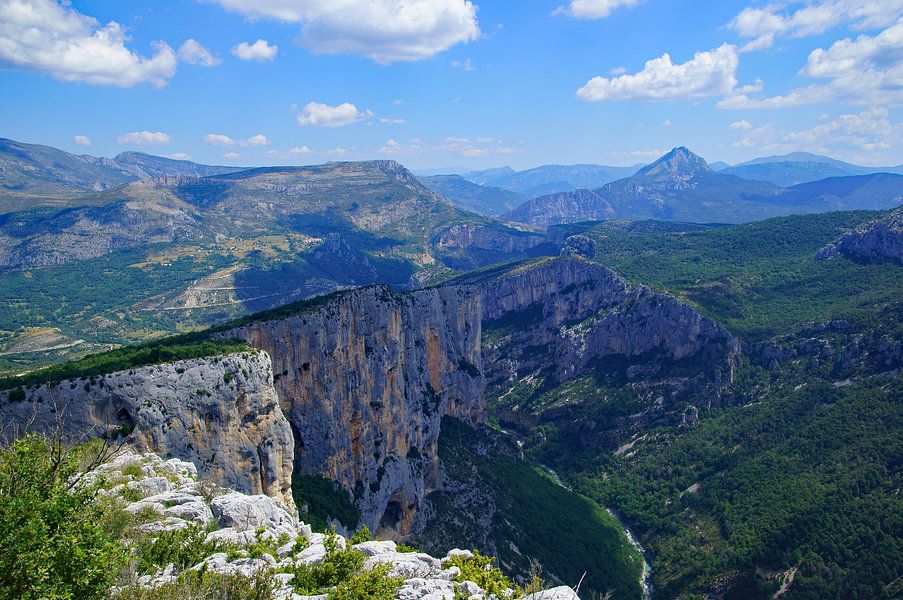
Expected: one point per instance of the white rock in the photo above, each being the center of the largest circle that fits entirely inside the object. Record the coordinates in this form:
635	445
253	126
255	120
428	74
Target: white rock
230	536
559	593
407	564
251	512
375	548
196	512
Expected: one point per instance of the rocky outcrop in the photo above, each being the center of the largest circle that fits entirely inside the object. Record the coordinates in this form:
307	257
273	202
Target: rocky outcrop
564	207
563	316
877	240
365	377
263	537
469	246
221	413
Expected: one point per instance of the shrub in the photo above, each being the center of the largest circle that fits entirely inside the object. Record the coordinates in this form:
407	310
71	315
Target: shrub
195	585
181	547
55	542
480	570
337	566
375	584
361	535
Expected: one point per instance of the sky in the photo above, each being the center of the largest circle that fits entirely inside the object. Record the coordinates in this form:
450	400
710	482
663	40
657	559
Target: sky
454	84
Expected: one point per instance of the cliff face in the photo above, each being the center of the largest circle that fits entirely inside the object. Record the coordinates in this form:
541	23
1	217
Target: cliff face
365	379
570	317
221	413
875	241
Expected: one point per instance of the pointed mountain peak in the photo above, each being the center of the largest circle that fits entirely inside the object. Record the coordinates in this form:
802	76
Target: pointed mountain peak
680	163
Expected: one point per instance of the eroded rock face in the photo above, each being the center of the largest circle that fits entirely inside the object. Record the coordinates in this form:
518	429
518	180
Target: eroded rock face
221	413
874	241
365	379
563	316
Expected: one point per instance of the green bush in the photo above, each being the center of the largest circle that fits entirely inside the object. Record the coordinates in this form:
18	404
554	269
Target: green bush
195	585
182	548
337	566
481	570
55	542
375	584
361	535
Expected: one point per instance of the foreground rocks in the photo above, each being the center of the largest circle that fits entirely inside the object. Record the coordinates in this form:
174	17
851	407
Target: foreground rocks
168	495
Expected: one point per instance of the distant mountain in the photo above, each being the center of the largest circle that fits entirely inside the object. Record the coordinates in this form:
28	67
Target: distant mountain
33	175
680	186
801	167
483	199
719	165
146	165
550	179
489	175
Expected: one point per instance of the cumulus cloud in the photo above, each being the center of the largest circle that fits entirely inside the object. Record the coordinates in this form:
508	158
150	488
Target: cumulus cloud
144	138
866	70
218	139
81	140
594	9
316	114
387	121
194	53
812	18
232	155
178	156
53	37
710	73
867	133
260	50
383	30
740	125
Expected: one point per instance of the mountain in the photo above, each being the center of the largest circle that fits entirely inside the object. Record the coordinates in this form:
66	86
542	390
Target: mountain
680	186
161	254
548	179
482	199
32	175
488	175
801	167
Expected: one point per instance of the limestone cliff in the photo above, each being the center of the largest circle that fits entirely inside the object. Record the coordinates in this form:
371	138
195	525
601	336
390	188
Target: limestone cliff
877	240
221	413
365	378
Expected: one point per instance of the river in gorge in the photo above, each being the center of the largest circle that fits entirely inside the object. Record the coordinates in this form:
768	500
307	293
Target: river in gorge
646	579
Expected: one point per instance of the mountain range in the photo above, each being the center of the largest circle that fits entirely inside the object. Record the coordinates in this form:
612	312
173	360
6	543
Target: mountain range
681	186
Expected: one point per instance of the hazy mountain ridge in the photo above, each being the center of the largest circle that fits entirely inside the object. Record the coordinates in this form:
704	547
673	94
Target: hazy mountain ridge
681	186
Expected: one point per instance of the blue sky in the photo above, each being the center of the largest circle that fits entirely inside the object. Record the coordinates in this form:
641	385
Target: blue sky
451	83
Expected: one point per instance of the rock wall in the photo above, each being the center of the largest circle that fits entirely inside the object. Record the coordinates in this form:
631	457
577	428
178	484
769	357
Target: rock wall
875	241
563	316
221	413
365	379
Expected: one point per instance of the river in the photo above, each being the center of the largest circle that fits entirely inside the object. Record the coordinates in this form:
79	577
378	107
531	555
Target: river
646	578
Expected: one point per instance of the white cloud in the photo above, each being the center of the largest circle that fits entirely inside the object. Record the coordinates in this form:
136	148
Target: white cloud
465	65
812	18
260	50
144	138
301	150
336	152
178	156
194	53
316	114
708	73
740	125
81	140
231	155
866	70
644	153
383	30
848	135
386	121
594	9
256	140
53	37
218	139
666	123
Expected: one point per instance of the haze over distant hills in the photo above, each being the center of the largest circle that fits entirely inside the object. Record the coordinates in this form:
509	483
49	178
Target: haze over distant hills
681	186
801	167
